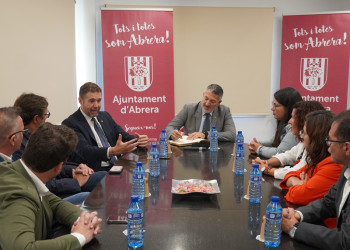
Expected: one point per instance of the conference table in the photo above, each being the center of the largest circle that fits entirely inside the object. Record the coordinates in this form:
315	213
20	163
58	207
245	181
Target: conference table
225	220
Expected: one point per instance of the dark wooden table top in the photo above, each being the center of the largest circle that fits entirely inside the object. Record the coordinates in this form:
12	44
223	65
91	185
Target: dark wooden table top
193	221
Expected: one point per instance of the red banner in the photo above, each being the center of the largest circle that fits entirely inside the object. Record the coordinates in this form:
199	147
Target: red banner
138	69
315	57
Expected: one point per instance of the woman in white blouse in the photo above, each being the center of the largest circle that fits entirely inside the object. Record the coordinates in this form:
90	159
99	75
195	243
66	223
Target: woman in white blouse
294	158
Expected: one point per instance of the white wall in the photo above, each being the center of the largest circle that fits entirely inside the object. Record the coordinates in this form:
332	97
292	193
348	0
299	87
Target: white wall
261	127
37	53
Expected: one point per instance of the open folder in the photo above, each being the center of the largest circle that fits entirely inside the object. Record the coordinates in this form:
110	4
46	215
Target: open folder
185	142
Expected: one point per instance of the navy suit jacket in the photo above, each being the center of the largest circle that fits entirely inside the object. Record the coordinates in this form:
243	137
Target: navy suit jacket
87	150
310	232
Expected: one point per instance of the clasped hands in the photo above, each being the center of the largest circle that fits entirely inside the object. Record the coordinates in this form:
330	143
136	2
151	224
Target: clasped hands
289	218
82	174
254	145
88	225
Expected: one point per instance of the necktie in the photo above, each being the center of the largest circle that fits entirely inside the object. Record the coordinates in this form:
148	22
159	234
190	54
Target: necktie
103	139
206	125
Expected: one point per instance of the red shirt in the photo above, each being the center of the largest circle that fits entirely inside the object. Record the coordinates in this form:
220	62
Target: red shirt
325	174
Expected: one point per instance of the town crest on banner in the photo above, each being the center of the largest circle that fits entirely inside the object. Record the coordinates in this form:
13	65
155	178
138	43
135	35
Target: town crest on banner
313	73
138	71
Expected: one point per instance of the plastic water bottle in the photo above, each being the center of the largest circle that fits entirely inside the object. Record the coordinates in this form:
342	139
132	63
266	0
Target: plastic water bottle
213	139
272	234
154	165
239	159
255	184
135	223
138	183
239	138
163	145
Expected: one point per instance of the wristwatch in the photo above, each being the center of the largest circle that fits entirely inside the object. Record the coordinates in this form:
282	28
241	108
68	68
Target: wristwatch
292	230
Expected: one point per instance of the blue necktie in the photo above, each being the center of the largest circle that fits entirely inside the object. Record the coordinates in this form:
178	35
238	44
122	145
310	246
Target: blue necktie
103	139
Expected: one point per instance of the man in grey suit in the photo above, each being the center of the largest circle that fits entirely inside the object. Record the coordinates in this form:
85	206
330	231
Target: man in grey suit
193	118
306	223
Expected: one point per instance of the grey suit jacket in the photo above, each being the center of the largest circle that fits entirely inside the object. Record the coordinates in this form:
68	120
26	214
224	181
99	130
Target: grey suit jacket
317	211
190	117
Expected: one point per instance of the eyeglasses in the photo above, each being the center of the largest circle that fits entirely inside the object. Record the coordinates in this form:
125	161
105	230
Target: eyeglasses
329	141
20	131
275	105
47	114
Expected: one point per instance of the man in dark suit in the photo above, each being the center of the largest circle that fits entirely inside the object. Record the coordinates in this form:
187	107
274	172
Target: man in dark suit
305	223
193	118
101	139
11	132
74	182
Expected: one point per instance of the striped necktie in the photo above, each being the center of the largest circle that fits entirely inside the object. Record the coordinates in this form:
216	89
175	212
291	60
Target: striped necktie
103	139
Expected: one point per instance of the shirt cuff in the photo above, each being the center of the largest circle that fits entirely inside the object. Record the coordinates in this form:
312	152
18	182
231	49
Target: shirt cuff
80	238
108	155
301	215
259	150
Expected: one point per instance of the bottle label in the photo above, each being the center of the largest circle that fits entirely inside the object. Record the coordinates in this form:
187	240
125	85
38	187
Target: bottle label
154	156
138	176
273	216
255	178
135	216
239	155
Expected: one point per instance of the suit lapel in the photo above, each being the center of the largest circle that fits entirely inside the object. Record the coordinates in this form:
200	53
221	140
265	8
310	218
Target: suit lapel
198	116
86	126
214	117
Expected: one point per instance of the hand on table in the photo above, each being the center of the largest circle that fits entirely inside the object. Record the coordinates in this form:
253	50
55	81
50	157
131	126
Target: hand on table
176	134
293	181
196	135
262	163
254	145
289	218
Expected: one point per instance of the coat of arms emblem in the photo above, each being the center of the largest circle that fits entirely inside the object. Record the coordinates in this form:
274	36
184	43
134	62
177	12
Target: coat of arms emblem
313	73
138	71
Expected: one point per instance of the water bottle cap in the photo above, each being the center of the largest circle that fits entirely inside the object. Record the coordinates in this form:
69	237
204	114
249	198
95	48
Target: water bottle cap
275	199
256	166
163	130
213	127
154	145
239	132
138	164
134	198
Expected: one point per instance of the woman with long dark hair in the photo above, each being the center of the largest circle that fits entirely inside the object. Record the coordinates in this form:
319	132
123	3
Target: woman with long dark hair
282	106
291	160
313	181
